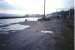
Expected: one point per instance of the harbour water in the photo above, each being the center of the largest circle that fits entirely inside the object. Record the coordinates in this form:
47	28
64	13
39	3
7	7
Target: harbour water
13	24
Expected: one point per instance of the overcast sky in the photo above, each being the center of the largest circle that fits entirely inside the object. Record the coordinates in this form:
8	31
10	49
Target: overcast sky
33	6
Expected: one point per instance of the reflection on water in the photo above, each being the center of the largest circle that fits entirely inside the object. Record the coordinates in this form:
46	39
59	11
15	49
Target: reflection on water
14	27
32	19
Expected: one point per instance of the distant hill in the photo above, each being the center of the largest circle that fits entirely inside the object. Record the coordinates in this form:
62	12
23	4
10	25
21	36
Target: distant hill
8	15
5	16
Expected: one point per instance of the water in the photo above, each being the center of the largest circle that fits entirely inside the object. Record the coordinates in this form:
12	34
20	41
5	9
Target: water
13	24
32	19
10	21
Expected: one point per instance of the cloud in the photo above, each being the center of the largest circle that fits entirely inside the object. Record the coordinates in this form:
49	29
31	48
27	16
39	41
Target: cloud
33	6
5	5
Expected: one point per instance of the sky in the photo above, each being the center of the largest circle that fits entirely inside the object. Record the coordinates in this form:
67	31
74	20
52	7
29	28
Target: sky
33	6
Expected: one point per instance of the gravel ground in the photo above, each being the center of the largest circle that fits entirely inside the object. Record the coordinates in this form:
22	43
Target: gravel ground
33	39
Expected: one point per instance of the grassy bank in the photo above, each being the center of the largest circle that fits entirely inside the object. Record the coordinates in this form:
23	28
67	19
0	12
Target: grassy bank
69	33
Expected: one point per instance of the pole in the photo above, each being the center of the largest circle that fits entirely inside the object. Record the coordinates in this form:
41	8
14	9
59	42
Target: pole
44	7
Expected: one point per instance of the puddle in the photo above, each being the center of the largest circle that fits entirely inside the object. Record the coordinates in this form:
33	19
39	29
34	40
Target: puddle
14	27
45	31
